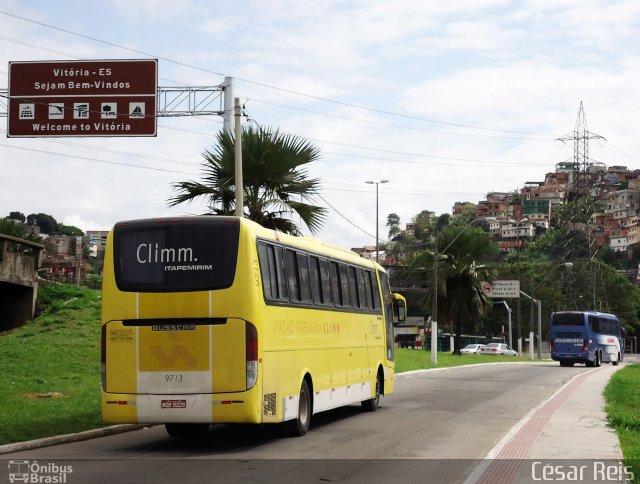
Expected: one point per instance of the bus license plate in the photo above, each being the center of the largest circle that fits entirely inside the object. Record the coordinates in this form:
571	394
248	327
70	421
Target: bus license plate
173	404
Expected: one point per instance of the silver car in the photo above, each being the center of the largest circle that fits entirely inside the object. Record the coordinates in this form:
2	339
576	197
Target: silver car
498	349
473	349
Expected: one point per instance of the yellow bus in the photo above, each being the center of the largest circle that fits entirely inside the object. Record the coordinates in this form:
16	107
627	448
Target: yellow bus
210	320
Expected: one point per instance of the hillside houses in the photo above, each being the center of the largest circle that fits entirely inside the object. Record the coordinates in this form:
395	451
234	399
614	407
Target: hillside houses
520	216
515	217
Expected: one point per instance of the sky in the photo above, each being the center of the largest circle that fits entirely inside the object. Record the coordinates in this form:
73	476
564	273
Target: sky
448	100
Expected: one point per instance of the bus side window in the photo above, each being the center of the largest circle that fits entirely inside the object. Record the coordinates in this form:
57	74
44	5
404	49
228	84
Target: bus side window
281	273
335	283
367	289
375	291
325	281
314	273
264	269
292	276
353	288
345	287
362	297
305	282
268	270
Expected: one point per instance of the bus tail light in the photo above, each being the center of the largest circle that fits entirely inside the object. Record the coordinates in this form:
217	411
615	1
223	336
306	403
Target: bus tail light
552	345
251	338
103	356
585	345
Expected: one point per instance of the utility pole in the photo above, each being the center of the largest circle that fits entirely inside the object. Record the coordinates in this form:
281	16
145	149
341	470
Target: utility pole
434	306
376	183
238	159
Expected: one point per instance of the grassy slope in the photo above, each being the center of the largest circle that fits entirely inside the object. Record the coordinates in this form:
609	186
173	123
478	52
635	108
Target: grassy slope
50	368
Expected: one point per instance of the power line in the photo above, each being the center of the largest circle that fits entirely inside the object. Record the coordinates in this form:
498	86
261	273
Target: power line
117	152
532	137
404	192
164	170
280	89
339	213
417	162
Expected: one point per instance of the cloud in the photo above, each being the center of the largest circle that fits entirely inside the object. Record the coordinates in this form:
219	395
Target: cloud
306	66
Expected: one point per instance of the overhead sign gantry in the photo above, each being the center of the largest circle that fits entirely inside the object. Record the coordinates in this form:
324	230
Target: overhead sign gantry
83	98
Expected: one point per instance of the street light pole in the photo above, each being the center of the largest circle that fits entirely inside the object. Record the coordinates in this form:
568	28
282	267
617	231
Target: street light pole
376	183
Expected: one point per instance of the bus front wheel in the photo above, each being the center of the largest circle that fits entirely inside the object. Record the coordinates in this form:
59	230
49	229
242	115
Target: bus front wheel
372	404
300	425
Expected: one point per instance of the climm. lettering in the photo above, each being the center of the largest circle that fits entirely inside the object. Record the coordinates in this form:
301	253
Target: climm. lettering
152	253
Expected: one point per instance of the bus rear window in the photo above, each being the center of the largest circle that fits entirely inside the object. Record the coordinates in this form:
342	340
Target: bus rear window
568	319
175	255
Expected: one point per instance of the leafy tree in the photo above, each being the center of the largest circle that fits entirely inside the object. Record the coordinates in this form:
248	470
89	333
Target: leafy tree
46	222
17	216
423	226
579	210
617	260
393	223
554	244
276	183
69	230
18	230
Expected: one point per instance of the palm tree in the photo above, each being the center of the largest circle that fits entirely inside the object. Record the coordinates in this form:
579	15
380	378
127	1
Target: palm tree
276	185
461	256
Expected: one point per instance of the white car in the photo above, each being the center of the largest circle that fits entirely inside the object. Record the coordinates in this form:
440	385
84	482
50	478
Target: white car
498	349
473	349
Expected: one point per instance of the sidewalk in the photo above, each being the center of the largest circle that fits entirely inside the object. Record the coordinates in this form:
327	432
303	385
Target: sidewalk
568	430
570	424
578	428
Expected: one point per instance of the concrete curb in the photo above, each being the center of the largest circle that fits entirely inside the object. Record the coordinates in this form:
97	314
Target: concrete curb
67	438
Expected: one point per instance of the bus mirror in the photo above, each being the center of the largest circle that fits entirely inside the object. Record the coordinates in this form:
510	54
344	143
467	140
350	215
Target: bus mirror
399	309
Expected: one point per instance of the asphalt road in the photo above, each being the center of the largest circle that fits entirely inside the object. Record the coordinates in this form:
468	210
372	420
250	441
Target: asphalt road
436	427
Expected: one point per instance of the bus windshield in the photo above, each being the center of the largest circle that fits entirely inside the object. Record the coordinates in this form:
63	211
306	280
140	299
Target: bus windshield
568	319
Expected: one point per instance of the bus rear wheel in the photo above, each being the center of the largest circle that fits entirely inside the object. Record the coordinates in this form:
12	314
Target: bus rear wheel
372	404
186	430
300	425
596	362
